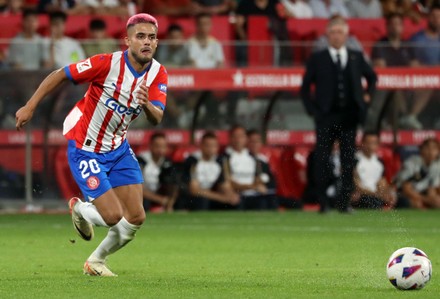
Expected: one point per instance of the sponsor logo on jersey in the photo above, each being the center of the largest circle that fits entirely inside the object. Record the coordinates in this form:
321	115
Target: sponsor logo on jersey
163	87
93	182
84	65
121	109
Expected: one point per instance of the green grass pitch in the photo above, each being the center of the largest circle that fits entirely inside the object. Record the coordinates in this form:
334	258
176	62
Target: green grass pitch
221	255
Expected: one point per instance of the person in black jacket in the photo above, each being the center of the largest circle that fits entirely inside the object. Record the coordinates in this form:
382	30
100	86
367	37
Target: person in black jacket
338	105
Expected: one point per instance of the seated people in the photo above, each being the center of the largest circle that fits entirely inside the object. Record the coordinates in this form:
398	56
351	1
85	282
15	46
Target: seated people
204	178
419	179
244	171
372	190
160	177
255	144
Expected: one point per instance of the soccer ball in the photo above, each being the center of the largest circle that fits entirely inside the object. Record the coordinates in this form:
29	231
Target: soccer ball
409	268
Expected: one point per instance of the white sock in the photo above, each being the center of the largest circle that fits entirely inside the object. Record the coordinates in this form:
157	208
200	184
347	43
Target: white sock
118	236
89	212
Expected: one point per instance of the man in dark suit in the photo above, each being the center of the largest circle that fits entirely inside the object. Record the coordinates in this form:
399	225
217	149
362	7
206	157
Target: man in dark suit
338	105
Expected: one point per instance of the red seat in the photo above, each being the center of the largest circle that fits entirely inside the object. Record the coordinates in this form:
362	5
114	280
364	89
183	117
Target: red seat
273	155
66	183
182	152
391	162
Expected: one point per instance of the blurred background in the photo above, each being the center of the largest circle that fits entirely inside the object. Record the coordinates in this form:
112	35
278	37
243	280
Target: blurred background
230	62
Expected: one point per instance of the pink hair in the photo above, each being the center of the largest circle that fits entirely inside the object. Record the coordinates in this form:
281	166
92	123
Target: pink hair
142	18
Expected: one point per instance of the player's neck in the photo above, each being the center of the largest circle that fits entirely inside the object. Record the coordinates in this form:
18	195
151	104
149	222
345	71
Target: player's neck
138	67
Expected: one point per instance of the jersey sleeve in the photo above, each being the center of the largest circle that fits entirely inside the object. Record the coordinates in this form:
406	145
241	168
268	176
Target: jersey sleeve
88	70
157	93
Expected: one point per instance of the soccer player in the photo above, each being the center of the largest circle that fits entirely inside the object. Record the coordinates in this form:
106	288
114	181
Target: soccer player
122	84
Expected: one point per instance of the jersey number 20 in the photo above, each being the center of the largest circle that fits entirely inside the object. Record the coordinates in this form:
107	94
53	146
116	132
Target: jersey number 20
84	166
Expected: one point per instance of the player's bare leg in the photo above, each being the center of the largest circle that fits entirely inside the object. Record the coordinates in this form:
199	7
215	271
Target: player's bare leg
129	199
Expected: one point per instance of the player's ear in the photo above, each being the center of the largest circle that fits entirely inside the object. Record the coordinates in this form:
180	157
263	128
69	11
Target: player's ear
126	41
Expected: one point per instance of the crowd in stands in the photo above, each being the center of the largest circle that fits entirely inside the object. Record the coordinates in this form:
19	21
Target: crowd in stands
239	176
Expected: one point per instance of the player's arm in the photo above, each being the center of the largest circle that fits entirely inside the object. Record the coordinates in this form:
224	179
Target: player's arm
196	190
52	81
154	197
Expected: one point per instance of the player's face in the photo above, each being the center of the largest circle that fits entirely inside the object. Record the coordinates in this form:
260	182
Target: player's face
142	42
209	147
238	139
159	148
255	143
337	35
370	145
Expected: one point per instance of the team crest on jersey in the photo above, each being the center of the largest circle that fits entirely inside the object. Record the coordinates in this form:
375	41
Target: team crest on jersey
163	88
84	65
93	182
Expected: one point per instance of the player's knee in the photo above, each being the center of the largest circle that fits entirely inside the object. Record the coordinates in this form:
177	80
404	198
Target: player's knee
112	218
137	218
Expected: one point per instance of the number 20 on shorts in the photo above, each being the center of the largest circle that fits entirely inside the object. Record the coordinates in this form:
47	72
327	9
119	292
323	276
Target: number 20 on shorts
88	166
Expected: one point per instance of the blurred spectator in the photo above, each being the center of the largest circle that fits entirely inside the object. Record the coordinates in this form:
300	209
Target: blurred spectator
173	52
426	45
278	27
27	50
298	9
63	50
3	5
205	179
372	190
390	51
365	9
325	9
101	7
215	7
14	7
99	41
412	9
124	8
204	50
49	6
160	177
352	42
255	145
418	181
244	172
173	8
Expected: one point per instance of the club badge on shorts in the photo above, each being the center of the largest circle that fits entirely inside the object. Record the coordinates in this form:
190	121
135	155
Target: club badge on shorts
93	182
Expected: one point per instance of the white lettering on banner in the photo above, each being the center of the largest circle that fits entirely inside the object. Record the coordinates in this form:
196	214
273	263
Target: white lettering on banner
409	81
278	136
175	137
266	80
181	80
18	138
419	137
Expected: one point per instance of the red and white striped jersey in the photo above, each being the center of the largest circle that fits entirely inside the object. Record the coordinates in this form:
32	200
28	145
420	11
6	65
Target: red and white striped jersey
99	121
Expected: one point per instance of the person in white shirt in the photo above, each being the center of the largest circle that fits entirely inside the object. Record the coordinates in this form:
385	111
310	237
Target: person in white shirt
205	180
244	171
63	50
365	9
371	187
297	9
204	50
325	9
160	176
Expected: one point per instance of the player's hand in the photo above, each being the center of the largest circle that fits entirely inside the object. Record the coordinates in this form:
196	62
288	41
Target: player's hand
142	95
367	98
23	115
